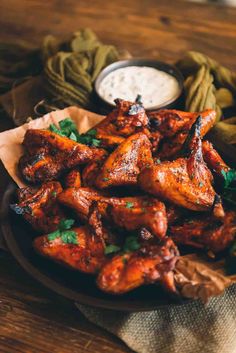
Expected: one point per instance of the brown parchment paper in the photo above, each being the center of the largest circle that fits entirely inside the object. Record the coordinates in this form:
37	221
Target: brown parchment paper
11	140
195	277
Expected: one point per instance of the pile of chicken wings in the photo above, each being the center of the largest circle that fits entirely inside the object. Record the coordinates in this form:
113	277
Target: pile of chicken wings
150	186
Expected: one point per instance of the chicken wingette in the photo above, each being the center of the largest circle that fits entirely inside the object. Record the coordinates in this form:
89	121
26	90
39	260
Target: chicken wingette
126	119
40	207
85	254
48	155
205	232
213	160
123	166
186	182
174	126
130	213
151	263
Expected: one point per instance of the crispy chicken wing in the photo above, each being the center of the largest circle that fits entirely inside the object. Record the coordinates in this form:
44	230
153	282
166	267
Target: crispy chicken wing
48	154
87	255
130	213
186	181
125	163
127	119
40	208
174	126
206	232
80	200
213	159
141	212
152	263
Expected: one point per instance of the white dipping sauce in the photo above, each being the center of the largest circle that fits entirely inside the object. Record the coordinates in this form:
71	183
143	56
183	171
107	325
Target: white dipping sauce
156	87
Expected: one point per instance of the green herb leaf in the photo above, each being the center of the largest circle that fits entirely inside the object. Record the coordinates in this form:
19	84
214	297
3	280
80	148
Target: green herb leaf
69	237
66	224
229	192
131	244
129	204
111	249
73	136
54	235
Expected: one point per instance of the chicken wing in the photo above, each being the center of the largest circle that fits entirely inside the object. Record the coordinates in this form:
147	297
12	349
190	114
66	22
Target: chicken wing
152	263
125	163
127	119
213	159
175	127
48	154
206	232
140	212
186	181
87	254
40	208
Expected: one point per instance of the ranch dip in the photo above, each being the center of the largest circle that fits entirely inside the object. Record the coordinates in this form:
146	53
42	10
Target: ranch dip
156	87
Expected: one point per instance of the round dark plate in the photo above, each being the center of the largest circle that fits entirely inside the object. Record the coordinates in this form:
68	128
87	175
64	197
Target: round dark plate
71	284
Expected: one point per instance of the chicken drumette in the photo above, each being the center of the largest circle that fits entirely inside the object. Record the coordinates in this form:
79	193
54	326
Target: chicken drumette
48	155
151	263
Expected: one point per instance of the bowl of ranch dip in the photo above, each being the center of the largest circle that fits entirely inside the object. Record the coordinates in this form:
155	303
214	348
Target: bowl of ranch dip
160	85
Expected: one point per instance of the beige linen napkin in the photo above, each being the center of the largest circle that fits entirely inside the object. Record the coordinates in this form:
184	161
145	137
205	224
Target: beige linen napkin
188	328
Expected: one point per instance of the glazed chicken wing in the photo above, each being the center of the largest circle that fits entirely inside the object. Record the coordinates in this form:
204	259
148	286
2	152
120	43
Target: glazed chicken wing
125	163
186	181
213	159
48	154
40	208
130	213
152	263
206	232
141	212
175	125
87	254
127	119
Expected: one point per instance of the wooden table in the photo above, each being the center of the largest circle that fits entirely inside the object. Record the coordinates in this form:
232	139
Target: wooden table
33	319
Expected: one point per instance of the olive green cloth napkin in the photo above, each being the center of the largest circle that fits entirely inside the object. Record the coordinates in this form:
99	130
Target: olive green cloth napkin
188	328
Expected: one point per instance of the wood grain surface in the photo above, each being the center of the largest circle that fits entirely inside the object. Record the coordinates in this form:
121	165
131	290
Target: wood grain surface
33	319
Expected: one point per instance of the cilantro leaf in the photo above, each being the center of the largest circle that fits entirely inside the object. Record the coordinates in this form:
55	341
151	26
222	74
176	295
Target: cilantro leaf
67	236
229	177
111	249
67	128
129	204
229	192
66	224
54	235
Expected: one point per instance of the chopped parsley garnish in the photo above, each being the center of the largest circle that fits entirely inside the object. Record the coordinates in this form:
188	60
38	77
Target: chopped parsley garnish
229	191
111	249
67	236
129	204
67	128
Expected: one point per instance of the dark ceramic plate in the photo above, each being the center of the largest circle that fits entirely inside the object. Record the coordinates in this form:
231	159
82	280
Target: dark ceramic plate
71	284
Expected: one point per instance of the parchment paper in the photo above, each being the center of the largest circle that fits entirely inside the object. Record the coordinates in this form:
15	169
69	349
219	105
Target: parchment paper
195	276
